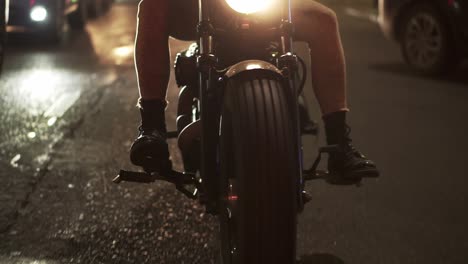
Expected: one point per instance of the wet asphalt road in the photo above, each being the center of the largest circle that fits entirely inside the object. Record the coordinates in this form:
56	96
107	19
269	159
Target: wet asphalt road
68	117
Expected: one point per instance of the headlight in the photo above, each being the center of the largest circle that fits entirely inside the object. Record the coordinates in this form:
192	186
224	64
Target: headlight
38	13
250	6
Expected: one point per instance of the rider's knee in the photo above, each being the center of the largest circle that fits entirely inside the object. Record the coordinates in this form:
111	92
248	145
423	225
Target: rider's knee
326	18
315	21
153	18
153	9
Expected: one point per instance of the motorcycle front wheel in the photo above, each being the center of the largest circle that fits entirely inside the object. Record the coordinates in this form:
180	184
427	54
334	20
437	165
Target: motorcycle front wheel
259	171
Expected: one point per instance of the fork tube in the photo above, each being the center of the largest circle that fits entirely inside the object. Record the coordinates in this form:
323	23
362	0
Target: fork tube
205	28
288	63
286	29
286	10
209	112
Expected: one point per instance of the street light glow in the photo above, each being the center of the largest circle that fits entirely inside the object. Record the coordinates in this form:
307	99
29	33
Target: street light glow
124	51
38	13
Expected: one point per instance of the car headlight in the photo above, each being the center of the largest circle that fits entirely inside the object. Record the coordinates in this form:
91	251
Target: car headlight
38	13
250	6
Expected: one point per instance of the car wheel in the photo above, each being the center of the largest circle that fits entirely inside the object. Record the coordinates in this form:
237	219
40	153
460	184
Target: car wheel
77	19
426	40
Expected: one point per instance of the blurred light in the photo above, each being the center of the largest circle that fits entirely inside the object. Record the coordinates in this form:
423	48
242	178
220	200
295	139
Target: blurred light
44	88
124	51
62	103
250	6
52	121
39	84
7	11
38	13
31	134
14	160
253	66
362	15
122	54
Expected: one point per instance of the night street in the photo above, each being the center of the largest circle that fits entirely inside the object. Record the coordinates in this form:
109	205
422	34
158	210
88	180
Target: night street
68	117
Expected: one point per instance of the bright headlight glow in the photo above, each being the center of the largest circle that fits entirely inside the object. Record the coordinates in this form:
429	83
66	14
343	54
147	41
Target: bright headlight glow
38	13
253	66
250	6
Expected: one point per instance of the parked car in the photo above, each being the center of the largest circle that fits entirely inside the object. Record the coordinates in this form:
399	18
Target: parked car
3	35
47	16
433	34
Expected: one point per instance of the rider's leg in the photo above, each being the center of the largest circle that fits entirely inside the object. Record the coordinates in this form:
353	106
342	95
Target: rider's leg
152	65
152	50
318	26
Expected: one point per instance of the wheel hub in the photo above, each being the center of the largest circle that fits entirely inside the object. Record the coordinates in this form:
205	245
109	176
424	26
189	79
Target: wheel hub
423	40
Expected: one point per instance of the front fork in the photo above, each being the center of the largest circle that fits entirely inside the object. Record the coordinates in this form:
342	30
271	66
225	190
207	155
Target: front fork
209	119
209	110
287	62
210	99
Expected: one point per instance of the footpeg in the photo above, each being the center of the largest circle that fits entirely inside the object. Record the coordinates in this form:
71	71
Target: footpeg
314	174
132	176
180	179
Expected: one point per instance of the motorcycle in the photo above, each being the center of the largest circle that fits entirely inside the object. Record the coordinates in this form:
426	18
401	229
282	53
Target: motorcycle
239	129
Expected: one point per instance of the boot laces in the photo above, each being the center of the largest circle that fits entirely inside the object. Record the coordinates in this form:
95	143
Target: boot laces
348	149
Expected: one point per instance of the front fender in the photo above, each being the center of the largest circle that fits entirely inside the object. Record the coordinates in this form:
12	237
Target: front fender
250	65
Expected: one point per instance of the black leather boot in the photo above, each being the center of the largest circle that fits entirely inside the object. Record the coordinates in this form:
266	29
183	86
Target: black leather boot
150	149
347	162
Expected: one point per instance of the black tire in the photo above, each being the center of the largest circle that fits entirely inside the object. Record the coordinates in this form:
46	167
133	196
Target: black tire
77	19
426	41
259	171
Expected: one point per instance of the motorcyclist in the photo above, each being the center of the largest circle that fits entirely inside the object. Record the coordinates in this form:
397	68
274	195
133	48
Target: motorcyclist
314	23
